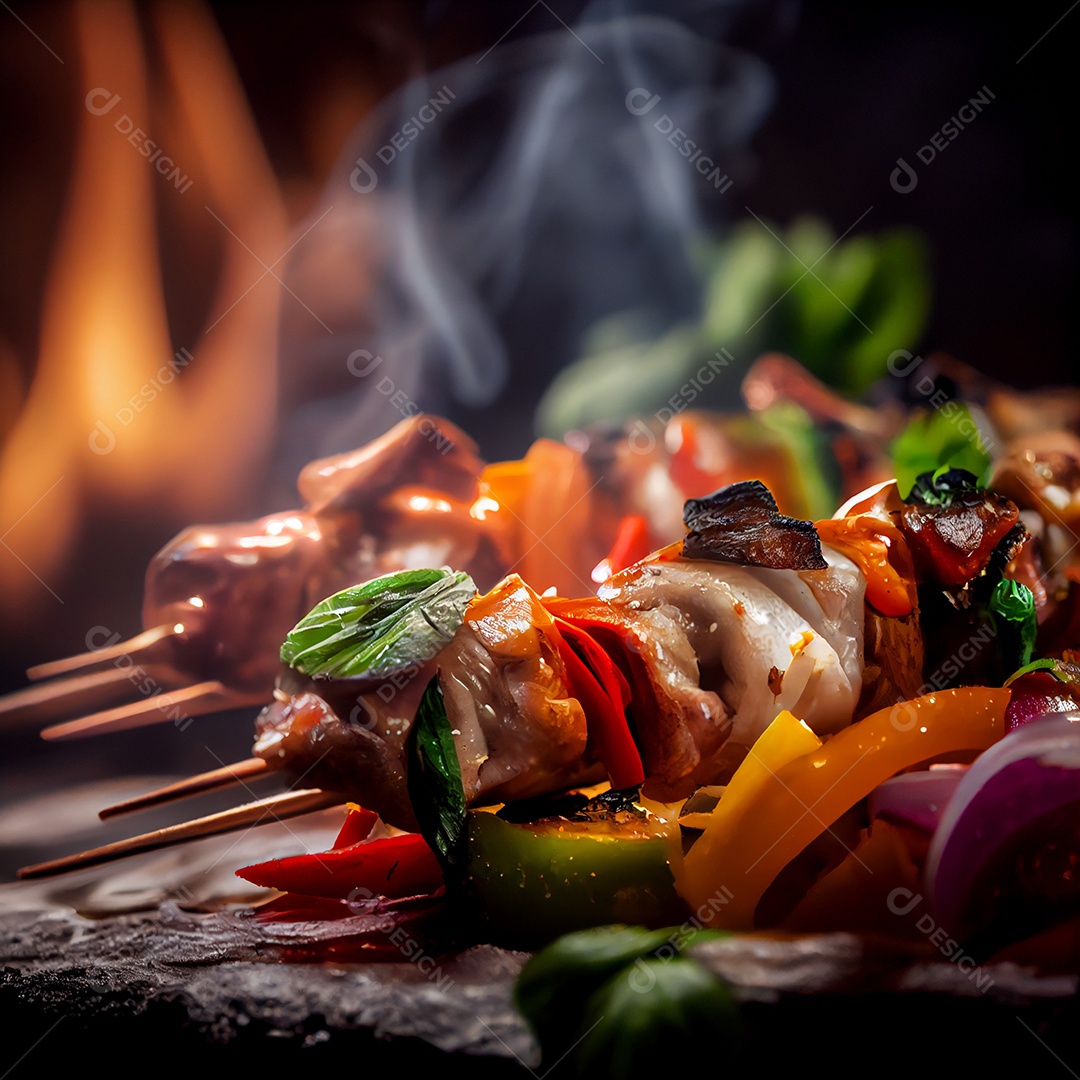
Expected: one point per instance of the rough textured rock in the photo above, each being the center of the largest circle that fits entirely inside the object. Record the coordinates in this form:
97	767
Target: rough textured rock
199	990
152	975
114	964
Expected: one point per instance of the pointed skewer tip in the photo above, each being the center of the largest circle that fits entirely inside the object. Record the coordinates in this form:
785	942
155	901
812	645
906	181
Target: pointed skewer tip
264	811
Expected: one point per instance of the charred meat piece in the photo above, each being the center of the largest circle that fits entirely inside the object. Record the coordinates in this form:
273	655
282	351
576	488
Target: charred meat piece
741	524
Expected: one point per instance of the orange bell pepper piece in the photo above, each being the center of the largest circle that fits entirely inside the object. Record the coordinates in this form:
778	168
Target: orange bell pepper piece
779	800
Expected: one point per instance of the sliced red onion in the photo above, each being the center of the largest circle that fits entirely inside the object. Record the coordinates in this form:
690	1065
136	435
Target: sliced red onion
1035	695
916	798
1031	776
864	500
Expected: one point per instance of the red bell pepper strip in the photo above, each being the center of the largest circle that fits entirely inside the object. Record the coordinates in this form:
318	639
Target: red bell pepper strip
604	694
598	620
358	825
631	545
391	866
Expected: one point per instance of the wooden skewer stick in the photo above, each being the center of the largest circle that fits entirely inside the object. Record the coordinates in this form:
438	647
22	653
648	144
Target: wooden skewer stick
276	808
134	647
176	705
67	694
193	785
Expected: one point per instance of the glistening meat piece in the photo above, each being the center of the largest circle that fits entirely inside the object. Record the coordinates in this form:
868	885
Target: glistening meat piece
517	730
343	737
519	733
765	640
237	589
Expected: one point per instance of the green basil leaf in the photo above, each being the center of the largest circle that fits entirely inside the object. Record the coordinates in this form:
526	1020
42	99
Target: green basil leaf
946	437
1012	607
435	786
383	626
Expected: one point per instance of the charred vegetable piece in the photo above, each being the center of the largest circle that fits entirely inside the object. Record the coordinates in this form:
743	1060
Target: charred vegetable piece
391	866
953	527
741	524
571	873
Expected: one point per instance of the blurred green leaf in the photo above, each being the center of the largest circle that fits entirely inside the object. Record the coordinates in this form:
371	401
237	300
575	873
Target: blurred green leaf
619	382
740	287
812	465
840	308
895	306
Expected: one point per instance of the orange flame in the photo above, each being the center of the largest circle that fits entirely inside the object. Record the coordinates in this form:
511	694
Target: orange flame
118	410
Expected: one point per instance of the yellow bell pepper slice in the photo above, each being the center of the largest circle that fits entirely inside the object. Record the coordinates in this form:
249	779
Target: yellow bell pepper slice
786	739
780	802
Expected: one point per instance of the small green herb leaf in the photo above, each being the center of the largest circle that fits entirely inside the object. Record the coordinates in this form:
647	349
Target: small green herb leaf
380	627
940	487
1012	607
435	787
